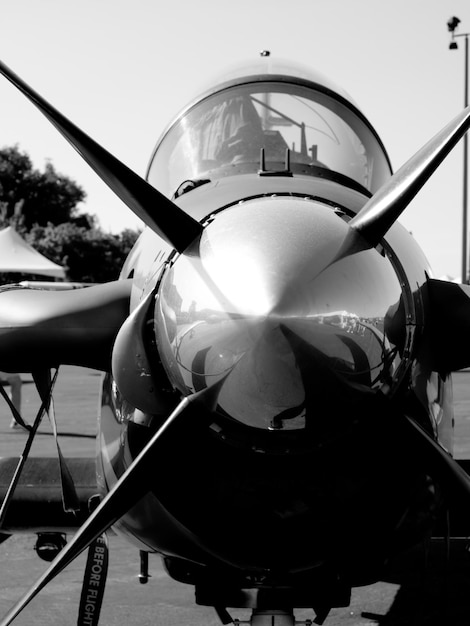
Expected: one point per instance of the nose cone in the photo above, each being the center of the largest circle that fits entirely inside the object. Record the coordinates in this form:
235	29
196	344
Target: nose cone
266	307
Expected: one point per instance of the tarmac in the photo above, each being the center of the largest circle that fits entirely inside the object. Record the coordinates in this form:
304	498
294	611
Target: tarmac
440	597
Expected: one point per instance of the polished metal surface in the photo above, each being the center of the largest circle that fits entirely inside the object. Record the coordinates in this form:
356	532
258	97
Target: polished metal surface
266	291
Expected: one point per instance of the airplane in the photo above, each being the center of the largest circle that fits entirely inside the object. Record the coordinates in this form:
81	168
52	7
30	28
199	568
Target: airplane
276	415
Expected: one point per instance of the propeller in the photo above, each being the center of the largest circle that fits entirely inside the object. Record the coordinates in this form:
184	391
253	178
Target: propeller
373	221
180	230
367	229
129	489
163	216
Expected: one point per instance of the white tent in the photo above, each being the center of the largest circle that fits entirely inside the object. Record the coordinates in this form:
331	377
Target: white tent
18	256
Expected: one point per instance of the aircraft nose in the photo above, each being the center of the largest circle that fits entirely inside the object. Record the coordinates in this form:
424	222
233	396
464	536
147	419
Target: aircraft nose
266	307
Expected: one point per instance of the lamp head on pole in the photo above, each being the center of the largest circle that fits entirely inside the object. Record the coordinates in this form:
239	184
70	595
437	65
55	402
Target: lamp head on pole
452	24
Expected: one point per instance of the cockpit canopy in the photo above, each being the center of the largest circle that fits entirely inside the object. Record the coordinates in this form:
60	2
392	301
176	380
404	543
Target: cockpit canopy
301	125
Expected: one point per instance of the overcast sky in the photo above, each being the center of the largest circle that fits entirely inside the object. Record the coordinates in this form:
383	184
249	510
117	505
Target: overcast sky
122	69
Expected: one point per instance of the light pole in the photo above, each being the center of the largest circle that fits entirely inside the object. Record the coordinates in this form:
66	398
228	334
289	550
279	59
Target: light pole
452	25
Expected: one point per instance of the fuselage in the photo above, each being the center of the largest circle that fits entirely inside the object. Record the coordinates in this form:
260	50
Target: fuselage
299	468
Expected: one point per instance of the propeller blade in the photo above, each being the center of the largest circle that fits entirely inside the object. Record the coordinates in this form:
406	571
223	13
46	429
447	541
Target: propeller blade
372	222
129	489
158	212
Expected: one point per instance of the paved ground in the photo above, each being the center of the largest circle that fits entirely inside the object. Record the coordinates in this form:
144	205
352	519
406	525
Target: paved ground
165	602
76	408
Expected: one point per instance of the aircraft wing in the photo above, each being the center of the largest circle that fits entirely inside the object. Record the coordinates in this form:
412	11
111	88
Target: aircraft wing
42	329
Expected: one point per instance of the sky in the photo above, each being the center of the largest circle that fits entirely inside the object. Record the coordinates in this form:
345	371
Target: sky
121	70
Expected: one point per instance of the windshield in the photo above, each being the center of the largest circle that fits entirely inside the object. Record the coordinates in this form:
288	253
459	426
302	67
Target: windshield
224	133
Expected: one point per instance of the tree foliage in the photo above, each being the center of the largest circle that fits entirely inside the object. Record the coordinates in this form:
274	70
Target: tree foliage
29	196
88	254
44	208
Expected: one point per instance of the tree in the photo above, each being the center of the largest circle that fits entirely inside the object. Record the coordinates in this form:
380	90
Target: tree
88	254
43	208
29	197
